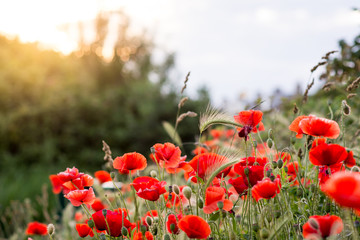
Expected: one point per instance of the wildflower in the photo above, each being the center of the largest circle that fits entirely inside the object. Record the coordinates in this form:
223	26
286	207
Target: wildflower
239	184
167	155
172	225
213	196
83	229
97	205
69	174
344	188
321	227
114	222
149	188
78	197
138	235
36	228
173	200
194	227
255	168
130	162
266	188
293	169
350	160
78	183
205	164
249	119
151	214
57	184
103	176
327	154
315	126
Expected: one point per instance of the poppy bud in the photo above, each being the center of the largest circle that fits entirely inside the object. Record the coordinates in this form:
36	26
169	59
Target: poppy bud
176	189
300	154
90	223
272	177
246	171
268	173
264	233
104	212
270	133
172	227
152	150
295	109
153	173
200	203
149	220
280	163
143	229
170	189
274	164
154	231
270	142
167	237
102	236
187	192
355	169
256	227
286	169
124	231
156	219
170	197
346	108
313	223
220	205
112	175
51	229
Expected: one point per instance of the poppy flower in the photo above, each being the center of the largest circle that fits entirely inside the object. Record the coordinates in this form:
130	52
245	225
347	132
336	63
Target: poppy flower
130	162
213	195
255	166
78	184
36	228
207	163
326	171
175	199
151	214
318	141
182	165
103	176
350	160
139	236
293	169
199	150
97	205
239	184
149	188
113	219
69	174
327	154
249	119
83	229
344	188
57	184
266	188
78	197
315	126
321	227
171	219
194	227
167	155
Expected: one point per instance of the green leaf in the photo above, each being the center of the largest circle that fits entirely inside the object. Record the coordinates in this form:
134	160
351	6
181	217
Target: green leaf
215	216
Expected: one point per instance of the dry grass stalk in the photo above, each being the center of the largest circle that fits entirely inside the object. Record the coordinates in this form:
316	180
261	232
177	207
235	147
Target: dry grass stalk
106	149
318	65
327	86
351	95
353	85
309	86
184	115
326	57
182	102
186	80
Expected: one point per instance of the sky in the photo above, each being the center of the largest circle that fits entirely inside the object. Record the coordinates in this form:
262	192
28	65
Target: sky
235	48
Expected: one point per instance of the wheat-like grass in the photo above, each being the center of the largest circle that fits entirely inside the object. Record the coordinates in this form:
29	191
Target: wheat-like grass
214	116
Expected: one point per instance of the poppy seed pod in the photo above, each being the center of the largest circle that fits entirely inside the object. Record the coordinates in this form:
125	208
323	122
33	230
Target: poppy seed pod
313	223
246	171
91	223
270	142
280	163
187	192
200	203
172	227
153	173
143	229
124	231
149	220
167	237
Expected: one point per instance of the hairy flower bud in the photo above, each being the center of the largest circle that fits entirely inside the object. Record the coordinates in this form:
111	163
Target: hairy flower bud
187	192
313	223
104	212
112	175
270	142
149	220
346	108
153	173
246	171
200	203
91	223
280	163
176	189
51	229
124	231
167	237
143	229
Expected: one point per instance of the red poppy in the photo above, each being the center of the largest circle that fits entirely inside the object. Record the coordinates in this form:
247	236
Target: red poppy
344	188
199	150
350	160
326	171
175	199
78	184
113	219
266	188
139	236
327	154
167	155
97	205
171	219
78	197
317	142
255	166
56	184
69	174
130	162
194	227
293	169
207	163
36	228
213	196
315	126
151	214
182	165
249	119
103	176
321	227
83	229
149	188
239	184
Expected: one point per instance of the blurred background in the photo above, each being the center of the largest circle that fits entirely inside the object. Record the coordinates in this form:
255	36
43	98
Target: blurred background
75	73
